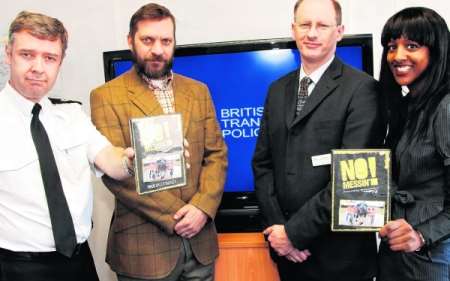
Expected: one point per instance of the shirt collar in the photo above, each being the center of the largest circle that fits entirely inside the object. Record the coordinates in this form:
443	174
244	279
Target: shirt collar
163	84
24	106
316	74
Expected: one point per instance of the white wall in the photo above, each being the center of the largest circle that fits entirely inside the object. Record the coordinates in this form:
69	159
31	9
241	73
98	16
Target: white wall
101	25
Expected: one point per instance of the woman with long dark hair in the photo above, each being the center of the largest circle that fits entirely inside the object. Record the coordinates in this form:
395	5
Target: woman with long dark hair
415	81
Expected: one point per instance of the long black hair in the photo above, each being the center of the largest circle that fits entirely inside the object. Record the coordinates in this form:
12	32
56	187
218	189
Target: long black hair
429	29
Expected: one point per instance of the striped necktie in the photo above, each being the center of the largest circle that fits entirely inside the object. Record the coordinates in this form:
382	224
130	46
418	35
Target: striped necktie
302	95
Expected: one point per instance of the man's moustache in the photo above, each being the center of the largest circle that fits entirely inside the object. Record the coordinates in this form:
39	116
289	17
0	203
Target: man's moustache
155	60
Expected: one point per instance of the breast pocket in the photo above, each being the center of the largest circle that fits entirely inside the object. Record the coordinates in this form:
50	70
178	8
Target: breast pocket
72	151
16	160
10	163
328	132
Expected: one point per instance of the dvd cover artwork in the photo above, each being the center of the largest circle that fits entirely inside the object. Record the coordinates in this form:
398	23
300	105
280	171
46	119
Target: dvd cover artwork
361	183
159	152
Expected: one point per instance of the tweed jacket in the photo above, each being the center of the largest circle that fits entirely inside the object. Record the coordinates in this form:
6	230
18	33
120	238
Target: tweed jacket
141	241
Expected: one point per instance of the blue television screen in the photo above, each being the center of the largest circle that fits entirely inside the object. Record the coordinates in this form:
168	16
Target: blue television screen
238	76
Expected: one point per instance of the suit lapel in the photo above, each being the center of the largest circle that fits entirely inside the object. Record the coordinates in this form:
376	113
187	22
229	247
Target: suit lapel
291	98
141	96
325	86
183	100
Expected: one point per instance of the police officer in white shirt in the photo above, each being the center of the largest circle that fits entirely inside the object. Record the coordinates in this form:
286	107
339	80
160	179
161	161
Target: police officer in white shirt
34	53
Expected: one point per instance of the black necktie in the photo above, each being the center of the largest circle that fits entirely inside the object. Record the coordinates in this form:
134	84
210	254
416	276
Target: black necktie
302	93
62	224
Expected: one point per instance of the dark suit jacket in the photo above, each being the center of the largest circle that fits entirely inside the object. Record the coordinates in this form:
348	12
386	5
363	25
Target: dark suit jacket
341	112
141	241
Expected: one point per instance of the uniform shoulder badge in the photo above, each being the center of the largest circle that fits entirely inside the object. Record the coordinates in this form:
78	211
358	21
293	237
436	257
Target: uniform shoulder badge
61	101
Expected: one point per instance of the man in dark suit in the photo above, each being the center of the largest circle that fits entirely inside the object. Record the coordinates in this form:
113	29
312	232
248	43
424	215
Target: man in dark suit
335	106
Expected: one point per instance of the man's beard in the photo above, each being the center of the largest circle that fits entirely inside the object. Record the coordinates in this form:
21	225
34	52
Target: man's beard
144	66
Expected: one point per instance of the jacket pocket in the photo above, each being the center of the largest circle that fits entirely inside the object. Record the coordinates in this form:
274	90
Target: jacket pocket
124	220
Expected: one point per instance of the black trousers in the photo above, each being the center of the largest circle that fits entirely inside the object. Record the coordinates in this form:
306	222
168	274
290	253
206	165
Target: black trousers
47	266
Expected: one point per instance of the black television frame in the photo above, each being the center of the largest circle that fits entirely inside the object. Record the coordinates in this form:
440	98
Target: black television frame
238	211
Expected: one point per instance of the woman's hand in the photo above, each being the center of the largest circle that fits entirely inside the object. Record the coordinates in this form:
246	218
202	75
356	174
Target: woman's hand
401	236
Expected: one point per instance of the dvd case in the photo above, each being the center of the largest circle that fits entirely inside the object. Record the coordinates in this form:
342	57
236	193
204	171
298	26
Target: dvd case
159	153
361	183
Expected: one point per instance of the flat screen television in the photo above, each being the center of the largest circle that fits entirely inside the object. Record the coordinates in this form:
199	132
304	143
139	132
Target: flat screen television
238	74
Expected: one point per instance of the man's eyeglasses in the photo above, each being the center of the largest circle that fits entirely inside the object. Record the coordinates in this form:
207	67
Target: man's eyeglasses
319	27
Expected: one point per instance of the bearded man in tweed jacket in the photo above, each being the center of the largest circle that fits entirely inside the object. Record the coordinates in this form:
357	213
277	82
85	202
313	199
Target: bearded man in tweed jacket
165	235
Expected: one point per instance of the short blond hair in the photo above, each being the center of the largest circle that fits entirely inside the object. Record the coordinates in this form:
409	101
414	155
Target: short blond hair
40	26
337	10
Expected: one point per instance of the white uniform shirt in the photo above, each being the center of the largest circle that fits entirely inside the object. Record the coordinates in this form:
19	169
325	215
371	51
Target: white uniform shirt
24	217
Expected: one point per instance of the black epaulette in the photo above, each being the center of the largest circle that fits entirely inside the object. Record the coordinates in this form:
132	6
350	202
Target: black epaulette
60	101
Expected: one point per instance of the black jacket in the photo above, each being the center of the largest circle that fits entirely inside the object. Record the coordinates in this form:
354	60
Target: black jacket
341	112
